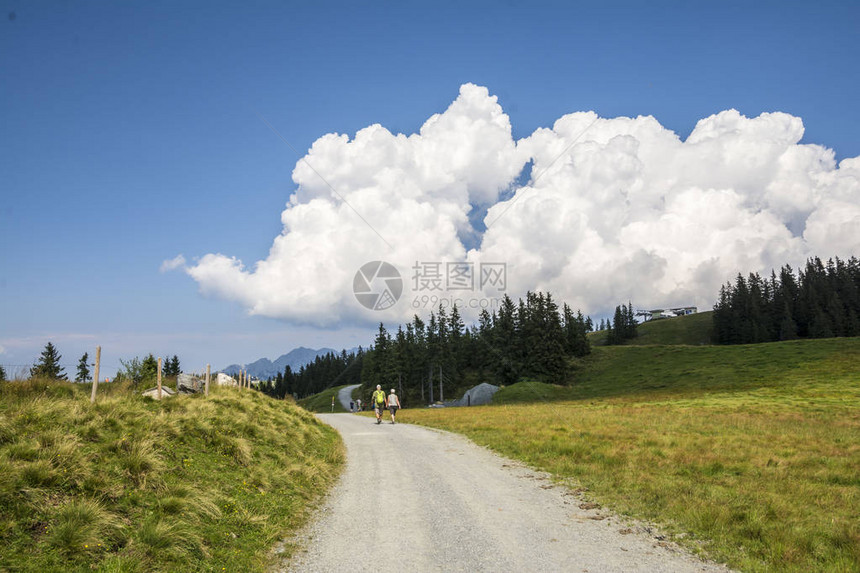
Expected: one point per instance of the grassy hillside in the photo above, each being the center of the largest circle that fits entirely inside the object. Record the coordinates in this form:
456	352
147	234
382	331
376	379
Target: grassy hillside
747	453
130	484
693	329
796	367
322	402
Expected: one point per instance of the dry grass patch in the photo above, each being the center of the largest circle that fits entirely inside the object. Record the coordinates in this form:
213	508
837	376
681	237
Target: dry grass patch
764	477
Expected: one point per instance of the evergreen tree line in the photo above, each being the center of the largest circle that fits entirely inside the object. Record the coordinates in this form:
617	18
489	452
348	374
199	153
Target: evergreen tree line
818	301
529	339
135	370
145	371
325	371
623	325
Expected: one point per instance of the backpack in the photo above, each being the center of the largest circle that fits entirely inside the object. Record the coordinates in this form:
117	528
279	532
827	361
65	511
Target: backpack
379	397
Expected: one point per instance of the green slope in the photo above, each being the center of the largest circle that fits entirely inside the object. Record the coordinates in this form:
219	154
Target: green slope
322	402
693	329
131	484
797	367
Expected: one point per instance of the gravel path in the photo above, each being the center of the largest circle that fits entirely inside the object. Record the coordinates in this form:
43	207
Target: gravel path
345	395
415	499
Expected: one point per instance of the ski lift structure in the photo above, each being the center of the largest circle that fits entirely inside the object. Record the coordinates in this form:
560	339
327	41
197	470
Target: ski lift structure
659	313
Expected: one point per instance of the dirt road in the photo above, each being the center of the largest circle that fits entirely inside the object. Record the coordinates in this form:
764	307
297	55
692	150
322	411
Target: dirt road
414	499
344	395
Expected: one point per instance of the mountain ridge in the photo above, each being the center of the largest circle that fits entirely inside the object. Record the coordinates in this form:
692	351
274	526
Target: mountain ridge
264	368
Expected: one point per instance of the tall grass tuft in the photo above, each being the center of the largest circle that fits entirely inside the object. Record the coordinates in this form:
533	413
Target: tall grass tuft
135	485
170	540
139	459
82	527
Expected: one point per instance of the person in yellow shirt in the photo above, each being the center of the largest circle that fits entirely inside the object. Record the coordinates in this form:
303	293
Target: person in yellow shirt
378	400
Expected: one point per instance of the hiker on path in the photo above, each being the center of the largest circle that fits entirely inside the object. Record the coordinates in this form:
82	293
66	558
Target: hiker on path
351	406
393	403
378	400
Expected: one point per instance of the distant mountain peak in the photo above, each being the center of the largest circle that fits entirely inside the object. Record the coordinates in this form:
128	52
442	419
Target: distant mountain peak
264	368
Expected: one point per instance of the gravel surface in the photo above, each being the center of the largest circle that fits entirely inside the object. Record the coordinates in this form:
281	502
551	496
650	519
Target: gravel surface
345	395
416	499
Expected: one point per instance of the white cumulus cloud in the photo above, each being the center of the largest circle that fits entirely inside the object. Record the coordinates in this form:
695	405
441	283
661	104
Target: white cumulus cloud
172	264
615	209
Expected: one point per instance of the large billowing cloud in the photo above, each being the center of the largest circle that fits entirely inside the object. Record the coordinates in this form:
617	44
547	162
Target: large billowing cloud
615	209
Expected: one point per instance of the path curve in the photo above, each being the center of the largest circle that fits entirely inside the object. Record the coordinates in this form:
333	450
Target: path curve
416	499
345	395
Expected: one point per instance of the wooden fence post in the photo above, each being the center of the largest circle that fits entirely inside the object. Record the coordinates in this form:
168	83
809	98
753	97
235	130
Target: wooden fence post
206	392
96	375
159	378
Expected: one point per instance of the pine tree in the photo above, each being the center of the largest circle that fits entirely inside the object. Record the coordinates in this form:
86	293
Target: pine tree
83	369
289	383
821	326
48	365
631	322
400	355
384	356
614	336
2	374
787	327
505	343
457	331
576	330
149	368
171	367
623	326
553	364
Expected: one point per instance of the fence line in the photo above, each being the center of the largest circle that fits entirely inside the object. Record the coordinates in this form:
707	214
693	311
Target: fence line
21	372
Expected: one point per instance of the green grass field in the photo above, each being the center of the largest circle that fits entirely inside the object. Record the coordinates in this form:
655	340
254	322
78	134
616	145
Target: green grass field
748	454
793	368
134	485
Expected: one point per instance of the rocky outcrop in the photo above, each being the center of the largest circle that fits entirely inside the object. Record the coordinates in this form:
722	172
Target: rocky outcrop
190	383
476	396
224	380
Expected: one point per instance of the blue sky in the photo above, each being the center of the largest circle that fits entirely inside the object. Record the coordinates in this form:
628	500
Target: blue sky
128	131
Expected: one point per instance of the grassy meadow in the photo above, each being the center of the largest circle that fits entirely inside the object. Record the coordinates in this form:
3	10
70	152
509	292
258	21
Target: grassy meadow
134	485
691	330
747	454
